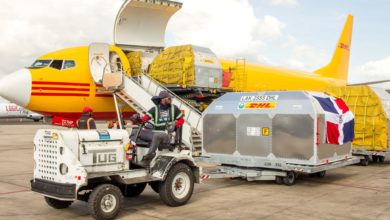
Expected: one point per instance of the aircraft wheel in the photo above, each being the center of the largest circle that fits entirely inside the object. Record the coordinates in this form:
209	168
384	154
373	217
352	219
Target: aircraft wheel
381	159
374	158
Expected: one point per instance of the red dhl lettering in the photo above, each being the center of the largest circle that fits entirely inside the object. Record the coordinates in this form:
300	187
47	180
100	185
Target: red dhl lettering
208	61
344	46
261	105
11	108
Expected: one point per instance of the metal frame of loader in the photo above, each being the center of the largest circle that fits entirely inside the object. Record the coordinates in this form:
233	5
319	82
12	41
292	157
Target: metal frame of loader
369	155
286	173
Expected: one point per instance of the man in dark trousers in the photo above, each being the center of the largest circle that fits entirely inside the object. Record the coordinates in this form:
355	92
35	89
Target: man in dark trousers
86	121
163	114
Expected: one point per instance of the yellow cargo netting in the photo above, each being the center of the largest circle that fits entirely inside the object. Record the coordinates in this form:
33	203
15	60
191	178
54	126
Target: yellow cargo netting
175	65
370	117
135	60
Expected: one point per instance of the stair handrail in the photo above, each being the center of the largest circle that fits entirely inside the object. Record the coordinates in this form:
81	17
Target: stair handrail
164	87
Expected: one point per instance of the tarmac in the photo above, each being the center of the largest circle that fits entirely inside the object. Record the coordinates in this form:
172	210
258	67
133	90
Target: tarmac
353	192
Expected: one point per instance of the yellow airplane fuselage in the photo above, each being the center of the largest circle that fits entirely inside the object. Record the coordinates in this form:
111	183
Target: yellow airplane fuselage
65	92
261	78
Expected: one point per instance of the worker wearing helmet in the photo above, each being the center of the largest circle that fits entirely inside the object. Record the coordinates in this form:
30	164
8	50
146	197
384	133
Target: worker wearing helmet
163	114
86	121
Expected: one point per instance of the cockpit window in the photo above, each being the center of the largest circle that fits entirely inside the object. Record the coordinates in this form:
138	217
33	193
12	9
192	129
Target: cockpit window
56	64
40	64
69	64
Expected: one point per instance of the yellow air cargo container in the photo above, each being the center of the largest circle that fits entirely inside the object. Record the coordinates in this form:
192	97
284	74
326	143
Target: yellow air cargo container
135	62
371	125
187	66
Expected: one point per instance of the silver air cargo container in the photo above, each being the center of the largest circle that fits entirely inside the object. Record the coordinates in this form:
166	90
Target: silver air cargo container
269	136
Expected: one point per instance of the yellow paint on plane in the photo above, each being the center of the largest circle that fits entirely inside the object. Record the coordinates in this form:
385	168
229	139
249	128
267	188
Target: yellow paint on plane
259	77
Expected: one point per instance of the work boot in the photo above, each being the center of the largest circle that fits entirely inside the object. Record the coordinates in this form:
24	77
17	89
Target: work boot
149	156
145	162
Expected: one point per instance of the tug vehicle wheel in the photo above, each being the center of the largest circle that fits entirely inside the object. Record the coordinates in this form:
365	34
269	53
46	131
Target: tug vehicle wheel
57	204
133	190
155	186
177	188
290	178
105	202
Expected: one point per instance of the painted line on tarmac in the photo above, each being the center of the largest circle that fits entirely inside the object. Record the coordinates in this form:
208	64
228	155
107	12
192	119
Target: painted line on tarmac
14	192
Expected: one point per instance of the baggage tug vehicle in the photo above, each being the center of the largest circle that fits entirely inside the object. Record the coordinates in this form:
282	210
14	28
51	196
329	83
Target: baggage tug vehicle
99	167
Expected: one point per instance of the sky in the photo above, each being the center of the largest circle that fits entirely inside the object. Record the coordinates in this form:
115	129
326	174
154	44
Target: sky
297	34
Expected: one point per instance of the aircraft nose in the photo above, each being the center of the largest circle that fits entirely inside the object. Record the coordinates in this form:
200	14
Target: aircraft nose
16	87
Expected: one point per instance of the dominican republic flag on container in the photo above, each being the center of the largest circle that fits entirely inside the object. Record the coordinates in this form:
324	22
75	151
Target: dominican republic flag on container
339	119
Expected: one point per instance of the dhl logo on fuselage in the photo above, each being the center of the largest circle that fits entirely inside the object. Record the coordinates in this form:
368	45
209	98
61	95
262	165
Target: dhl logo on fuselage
259	105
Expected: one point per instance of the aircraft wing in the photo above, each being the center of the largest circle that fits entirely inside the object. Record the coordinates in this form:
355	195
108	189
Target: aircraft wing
369	83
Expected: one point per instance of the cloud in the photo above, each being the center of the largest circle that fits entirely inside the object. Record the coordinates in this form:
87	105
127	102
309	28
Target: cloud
31	28
284	2
303	56
375	70
231	29
270	27
296	64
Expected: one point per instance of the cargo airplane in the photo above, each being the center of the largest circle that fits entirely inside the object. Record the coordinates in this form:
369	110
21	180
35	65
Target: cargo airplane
59	84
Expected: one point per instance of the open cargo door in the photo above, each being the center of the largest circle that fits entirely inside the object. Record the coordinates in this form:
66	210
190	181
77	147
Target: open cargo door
99	61
141	24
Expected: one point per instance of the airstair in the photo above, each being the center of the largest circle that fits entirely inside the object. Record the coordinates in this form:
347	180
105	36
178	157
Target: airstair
138	91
